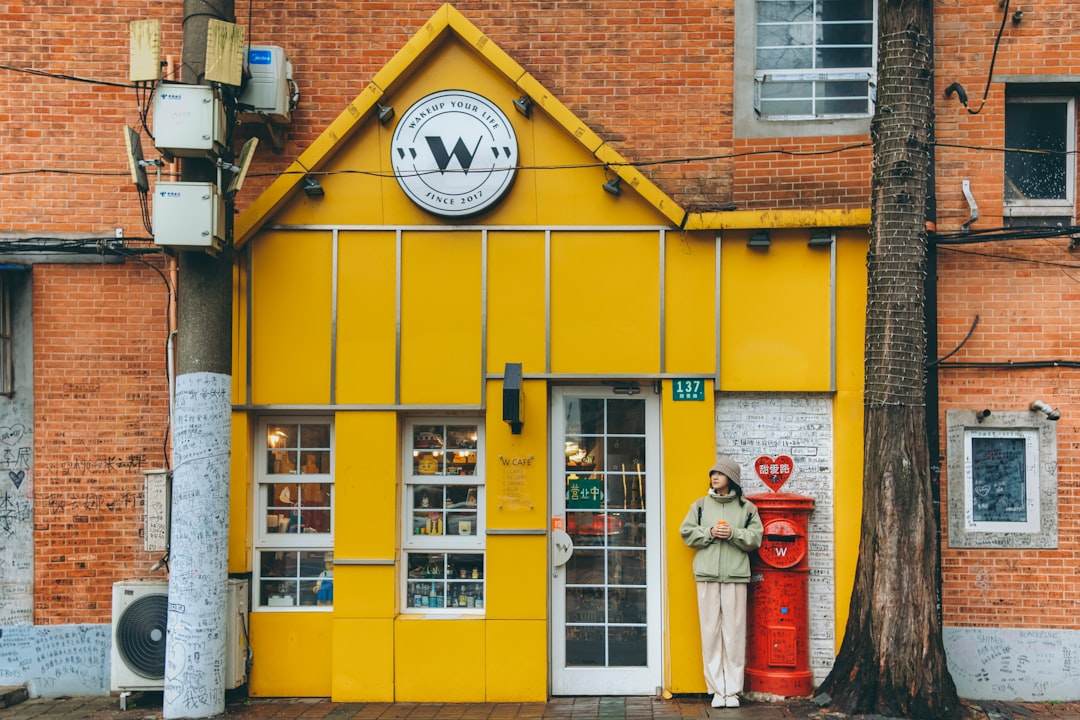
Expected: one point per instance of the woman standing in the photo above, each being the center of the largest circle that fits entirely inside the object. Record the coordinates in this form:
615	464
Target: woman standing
724	528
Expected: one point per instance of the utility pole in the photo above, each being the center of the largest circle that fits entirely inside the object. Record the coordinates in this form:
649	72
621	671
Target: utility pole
194	685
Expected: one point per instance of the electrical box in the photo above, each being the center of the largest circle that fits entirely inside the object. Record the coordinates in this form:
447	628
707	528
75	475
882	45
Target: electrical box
189	121
267	94
189	216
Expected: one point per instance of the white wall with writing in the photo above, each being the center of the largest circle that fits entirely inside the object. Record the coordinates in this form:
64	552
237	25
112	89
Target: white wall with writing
1013	664
56	660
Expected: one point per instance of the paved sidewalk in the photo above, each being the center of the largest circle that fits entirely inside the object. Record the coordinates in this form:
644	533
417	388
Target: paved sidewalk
148	707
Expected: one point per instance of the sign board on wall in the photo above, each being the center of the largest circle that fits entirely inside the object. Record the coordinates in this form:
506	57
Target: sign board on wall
454	153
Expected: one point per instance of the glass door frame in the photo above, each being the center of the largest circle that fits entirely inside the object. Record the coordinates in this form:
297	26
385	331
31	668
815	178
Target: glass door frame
608	680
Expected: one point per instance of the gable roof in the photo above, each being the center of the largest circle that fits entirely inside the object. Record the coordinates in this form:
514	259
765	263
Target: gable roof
446	20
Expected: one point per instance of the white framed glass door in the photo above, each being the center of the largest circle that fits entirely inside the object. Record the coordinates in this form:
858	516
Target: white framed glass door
606	621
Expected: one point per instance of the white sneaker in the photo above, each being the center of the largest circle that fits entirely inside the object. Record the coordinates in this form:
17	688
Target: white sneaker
731	701
718	700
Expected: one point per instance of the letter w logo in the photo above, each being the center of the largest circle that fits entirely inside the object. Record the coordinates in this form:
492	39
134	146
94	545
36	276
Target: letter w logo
442	158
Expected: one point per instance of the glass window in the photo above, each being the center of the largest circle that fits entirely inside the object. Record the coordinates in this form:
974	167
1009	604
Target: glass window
1039	167
295	510
444	516
814	58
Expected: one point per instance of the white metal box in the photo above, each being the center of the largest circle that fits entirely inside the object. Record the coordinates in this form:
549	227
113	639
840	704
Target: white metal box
189	121
189	216
266	95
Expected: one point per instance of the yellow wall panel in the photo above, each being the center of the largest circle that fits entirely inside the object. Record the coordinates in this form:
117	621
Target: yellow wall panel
690	303
439	660
367	317
516	300
851	247
240	494
775	315
441	318
689	452
517	464
240	350
366	468
605	294
291	317
293	654
365	591
517	574
363	661
517	661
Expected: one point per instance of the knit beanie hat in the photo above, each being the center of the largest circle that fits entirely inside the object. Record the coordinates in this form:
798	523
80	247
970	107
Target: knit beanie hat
728	467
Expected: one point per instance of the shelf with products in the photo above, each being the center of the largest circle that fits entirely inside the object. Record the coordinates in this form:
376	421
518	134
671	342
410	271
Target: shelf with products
445	581
444	509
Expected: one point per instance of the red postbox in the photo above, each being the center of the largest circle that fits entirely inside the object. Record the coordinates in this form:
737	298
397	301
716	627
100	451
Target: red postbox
778	619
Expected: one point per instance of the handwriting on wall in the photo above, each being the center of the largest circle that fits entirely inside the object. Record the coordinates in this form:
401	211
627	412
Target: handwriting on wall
514	493
56	660
195	645
16	516
1013	664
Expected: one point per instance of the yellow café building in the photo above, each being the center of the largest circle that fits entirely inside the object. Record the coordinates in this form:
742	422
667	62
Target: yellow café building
472	408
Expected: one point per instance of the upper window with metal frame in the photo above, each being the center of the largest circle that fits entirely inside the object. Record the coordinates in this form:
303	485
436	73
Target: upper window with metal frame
1040	169
815	59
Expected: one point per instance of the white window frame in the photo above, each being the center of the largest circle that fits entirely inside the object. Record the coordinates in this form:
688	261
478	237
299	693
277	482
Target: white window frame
443	543
1049	207
1030	436
763	77
268	540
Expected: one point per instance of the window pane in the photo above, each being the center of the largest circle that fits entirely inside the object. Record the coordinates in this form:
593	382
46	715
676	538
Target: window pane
445	580
844	57
847	34
288	578
785	10
785	58
845	10
1036	126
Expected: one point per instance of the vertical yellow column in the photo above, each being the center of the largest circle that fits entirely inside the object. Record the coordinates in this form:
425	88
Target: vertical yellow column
689	432
366	476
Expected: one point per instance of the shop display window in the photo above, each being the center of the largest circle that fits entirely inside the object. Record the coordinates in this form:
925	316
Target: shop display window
444	517
295	510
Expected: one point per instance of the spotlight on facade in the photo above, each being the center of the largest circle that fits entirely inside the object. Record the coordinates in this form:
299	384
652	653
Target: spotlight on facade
312	187
524	105
759	240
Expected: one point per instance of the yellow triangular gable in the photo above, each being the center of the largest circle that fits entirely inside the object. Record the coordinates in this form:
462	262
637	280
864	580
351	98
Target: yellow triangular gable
448	20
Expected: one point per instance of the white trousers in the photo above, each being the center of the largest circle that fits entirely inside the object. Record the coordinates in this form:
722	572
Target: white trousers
722	611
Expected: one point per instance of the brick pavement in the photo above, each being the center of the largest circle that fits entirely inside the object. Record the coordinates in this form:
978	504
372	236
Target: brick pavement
148	707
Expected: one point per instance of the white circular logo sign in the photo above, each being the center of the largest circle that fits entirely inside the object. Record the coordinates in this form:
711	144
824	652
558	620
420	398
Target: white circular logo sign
454	153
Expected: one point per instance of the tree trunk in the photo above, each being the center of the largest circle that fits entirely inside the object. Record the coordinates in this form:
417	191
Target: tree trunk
892	660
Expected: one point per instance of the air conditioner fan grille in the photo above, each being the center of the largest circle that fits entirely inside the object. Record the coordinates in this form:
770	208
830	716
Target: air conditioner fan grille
140	636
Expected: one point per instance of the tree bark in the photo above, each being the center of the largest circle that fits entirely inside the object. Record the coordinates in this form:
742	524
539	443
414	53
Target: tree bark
892	660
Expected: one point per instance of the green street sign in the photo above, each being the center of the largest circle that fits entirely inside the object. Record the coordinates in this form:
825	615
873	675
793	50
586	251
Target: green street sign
688	390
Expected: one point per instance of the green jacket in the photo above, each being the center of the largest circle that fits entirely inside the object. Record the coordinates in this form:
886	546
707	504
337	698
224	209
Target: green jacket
719	560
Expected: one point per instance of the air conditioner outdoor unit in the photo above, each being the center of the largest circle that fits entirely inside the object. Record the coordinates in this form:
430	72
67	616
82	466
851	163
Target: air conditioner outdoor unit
267	95
139	618
139	615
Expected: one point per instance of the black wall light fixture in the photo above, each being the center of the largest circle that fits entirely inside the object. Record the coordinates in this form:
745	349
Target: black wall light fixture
513	398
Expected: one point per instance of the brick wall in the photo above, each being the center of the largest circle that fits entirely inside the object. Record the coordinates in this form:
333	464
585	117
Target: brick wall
101	406
1023	300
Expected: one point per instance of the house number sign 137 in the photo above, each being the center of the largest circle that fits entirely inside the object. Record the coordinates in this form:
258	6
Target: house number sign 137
688	390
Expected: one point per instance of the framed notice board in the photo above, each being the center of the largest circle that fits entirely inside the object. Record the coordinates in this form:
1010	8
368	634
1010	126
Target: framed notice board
1001	480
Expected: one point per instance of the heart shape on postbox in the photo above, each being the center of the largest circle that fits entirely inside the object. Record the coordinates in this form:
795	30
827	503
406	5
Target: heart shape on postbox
774	471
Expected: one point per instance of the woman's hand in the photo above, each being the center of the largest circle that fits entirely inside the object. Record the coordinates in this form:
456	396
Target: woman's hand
720	530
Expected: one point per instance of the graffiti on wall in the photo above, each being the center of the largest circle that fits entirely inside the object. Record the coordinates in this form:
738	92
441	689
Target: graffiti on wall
56	660
16	522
